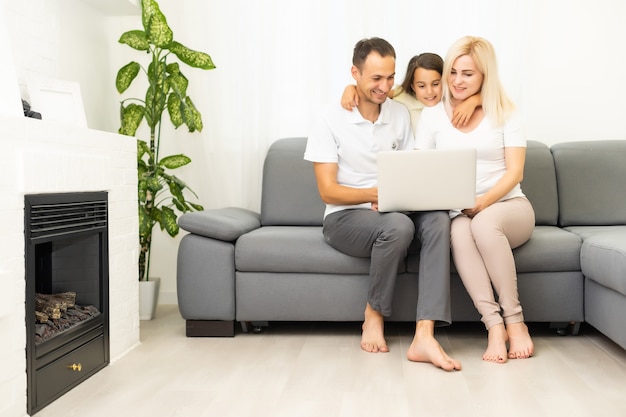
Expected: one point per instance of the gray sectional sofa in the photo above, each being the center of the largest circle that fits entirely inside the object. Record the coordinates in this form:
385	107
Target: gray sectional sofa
236	265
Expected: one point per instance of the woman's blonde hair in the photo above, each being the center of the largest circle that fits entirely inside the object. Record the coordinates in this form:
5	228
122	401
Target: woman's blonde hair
496	103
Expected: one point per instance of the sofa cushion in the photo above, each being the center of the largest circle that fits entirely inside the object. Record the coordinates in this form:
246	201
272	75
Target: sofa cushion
591	179
586	232
289	194
293	249
603	259
549	249
539	183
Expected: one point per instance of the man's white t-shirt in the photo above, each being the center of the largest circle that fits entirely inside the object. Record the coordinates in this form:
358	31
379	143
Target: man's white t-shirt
435	131
344	137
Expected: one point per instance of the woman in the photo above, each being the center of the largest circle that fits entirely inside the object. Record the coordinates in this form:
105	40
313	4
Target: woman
502	218
421	88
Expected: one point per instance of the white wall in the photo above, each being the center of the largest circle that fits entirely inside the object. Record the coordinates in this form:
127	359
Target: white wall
278	61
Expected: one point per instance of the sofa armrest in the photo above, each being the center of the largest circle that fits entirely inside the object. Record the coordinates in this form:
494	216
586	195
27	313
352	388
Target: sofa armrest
225	224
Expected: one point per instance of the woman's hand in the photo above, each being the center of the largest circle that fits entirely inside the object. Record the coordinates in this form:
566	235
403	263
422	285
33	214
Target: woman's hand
480	204
350	98
514	158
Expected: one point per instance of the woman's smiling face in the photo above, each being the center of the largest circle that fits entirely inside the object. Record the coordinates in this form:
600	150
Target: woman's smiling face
465	79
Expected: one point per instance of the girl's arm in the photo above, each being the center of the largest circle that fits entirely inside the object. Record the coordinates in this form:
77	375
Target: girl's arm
463	111
350	98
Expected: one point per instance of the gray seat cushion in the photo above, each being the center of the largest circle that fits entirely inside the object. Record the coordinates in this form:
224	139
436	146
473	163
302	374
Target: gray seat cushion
293	249
550	249
603	259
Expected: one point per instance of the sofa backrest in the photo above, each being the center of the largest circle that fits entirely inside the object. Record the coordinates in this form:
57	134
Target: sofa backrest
539	183
591	179
289	195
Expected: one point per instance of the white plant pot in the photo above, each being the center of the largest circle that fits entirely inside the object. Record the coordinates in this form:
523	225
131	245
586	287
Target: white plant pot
148	298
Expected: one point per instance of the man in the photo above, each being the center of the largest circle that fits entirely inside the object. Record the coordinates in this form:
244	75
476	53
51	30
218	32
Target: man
343	147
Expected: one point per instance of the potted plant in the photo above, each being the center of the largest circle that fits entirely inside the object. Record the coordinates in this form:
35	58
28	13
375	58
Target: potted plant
162	195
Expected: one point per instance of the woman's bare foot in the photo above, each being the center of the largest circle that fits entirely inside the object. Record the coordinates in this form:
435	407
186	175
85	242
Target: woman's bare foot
520	344
373	336
425	348
496	344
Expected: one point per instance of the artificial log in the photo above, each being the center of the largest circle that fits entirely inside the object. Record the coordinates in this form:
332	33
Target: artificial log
54	305
41	317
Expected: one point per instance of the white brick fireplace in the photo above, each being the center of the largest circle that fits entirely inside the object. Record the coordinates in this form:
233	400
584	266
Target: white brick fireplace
43	157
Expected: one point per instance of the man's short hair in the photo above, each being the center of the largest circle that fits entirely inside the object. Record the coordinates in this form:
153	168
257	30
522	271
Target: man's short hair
365	46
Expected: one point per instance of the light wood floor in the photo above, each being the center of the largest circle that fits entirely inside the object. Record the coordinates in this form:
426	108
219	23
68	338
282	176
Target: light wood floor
315	370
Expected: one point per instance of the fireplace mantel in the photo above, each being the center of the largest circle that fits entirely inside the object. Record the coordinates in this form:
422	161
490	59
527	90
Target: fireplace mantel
44	157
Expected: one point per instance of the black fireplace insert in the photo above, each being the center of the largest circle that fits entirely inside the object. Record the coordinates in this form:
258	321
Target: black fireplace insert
67	292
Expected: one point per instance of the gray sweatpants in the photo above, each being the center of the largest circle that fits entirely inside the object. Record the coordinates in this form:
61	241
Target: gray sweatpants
385	238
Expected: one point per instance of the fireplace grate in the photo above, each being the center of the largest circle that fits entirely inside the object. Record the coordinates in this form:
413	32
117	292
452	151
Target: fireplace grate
60	219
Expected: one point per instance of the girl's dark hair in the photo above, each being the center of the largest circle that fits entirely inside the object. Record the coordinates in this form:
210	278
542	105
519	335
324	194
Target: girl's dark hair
365	46
427	61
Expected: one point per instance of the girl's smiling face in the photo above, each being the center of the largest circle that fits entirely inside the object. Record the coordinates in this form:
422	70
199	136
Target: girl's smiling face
427	86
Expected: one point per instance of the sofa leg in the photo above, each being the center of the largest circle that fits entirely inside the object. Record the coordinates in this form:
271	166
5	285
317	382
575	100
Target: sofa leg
574	328
563	328
253	326
210	328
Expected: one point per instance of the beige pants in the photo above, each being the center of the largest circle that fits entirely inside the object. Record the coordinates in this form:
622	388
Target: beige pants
482	253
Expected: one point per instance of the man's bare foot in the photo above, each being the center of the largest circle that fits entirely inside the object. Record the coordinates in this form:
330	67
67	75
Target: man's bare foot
520	344
425	348
496	344
373	336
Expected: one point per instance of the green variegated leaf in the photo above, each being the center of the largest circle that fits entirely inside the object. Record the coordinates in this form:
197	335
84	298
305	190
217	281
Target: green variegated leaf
131	116
177	192
159	33
153	184
181	184
147	10
142	189
178	83
136	39
142	168
191	115
173	68
126	75
145	222
142	149
155	25
174	161
180	206
157	71
192	58
168	221
173	109
156	94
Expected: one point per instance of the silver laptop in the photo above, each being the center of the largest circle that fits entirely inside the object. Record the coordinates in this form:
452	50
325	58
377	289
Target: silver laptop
420	180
